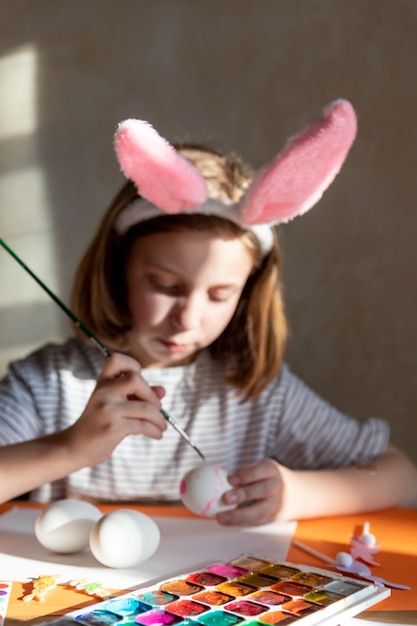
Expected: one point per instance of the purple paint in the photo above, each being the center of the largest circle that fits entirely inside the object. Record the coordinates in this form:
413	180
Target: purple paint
156	617
265	596
227	570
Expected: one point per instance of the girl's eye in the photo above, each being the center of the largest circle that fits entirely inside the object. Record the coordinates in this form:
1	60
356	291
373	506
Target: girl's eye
218	298
221	296
165	287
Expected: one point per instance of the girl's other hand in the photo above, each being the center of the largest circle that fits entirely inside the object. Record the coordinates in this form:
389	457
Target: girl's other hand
258	493
122	404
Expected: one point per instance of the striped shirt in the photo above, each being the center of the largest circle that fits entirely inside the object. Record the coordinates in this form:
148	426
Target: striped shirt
48	390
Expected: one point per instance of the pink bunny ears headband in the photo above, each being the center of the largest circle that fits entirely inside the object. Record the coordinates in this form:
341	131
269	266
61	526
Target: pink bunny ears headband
289	186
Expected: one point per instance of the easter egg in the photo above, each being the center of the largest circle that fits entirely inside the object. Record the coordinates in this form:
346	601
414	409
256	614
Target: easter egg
123	538
65	525
201	490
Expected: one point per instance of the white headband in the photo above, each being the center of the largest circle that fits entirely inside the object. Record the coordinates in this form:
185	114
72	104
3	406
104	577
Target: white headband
141	210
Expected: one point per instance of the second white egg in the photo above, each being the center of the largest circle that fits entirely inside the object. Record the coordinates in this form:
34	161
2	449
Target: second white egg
124	537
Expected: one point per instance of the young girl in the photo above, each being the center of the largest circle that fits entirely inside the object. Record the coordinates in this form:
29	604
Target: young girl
182	283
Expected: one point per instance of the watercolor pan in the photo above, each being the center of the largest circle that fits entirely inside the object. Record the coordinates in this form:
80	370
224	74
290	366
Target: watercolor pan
247	590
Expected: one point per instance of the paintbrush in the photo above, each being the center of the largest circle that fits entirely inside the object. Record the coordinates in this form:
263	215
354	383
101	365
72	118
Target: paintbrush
103	349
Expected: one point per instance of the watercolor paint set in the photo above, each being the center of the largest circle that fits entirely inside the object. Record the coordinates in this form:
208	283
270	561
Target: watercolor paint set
5	591
247	590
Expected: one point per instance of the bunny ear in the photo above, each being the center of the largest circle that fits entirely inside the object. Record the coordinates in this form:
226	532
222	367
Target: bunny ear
162	176
299	175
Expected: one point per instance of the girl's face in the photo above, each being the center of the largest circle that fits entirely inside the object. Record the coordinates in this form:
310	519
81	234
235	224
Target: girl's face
182	291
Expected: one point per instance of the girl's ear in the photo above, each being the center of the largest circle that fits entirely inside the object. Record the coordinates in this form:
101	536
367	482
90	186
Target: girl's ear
162	176
303	170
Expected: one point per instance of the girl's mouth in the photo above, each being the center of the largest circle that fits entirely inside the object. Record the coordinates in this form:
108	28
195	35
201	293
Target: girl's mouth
174	347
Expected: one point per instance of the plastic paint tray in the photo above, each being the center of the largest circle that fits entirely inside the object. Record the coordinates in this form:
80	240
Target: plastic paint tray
246	590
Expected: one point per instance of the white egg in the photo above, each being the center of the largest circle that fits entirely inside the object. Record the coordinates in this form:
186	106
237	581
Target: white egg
344	559
65	525
201	490
368	539
124	537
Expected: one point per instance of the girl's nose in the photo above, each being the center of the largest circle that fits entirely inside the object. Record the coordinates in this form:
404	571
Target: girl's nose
187	312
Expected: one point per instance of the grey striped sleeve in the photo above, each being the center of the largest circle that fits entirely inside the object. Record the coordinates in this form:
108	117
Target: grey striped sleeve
313	434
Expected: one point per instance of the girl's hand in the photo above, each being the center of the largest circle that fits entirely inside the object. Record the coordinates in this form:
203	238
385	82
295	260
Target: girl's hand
258	493
122	404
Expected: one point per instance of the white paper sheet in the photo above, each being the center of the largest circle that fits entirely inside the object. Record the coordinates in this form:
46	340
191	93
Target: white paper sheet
185	543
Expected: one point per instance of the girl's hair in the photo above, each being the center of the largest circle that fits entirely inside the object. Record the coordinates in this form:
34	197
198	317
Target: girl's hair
254	341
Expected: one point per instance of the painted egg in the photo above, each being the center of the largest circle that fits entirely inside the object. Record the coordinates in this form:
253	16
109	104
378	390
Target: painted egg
123	538
201	490
65	525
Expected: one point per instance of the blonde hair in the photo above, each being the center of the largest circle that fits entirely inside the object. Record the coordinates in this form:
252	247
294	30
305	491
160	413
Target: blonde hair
254	341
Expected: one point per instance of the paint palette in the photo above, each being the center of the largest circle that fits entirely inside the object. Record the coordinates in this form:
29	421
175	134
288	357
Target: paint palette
247	590
5	591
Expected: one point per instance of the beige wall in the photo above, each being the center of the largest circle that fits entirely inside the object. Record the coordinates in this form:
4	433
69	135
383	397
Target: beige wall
242	74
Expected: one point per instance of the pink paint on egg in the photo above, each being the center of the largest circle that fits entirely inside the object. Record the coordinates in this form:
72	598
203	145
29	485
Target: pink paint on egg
220	486
202	488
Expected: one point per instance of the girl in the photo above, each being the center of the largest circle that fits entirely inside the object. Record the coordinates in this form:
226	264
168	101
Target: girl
182	282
